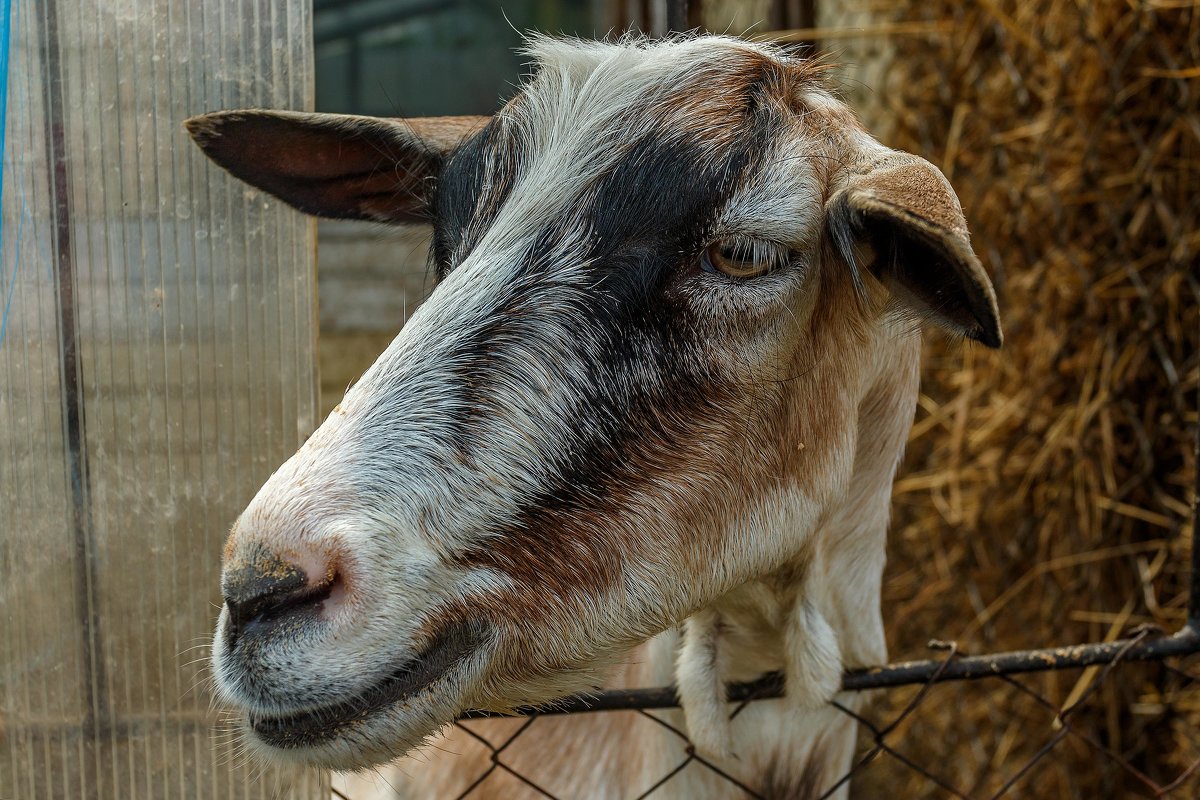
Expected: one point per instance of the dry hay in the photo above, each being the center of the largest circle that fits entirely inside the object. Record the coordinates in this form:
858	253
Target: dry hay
1045	496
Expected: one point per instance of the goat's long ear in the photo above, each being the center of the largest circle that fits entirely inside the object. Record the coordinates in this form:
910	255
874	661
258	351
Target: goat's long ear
334	165
905	210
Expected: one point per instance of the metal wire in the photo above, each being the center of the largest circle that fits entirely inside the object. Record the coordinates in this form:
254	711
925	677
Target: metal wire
955	666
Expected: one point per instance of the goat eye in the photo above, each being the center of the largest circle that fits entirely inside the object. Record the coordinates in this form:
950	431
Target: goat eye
741	257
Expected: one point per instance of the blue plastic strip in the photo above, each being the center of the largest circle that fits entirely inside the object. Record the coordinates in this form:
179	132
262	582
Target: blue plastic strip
6	26
6	6
5	41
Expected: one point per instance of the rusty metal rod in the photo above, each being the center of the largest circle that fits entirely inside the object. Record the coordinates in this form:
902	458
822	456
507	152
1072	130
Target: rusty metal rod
1184	642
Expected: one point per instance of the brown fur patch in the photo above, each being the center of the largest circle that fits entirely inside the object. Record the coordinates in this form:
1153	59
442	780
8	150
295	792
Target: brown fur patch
443	134
581	546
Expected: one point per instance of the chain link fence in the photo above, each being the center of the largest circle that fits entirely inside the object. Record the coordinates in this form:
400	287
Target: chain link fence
883	735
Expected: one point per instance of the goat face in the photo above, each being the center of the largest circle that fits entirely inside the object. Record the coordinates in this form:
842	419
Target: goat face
667	274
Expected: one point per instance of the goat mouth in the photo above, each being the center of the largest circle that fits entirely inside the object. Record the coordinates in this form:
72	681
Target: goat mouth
315	726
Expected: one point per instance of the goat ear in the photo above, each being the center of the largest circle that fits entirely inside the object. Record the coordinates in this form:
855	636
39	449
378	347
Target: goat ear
906	212
334	165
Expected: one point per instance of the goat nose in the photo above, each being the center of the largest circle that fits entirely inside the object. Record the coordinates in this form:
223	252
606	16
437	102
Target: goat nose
267	588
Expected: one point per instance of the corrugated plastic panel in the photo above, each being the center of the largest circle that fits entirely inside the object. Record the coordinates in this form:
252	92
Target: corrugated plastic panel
156	364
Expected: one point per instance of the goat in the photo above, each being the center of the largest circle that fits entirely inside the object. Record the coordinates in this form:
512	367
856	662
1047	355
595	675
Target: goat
648	418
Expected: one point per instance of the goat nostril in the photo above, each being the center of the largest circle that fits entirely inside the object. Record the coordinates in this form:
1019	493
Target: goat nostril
268	589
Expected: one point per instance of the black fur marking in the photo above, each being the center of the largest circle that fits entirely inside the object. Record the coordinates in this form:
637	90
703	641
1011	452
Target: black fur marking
461	202
648	218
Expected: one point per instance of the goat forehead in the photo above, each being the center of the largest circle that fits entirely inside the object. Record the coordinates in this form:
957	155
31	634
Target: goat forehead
612	162
616	144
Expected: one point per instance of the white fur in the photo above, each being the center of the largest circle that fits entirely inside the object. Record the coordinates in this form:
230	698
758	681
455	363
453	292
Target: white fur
811	656
701	688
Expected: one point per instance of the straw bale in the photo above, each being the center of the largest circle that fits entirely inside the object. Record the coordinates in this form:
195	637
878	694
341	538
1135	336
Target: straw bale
1046	493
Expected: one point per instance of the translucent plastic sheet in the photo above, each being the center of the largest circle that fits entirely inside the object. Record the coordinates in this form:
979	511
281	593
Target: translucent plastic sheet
156	363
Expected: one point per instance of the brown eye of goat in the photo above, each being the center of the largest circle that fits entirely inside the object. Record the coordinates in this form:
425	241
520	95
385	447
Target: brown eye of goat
741	257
